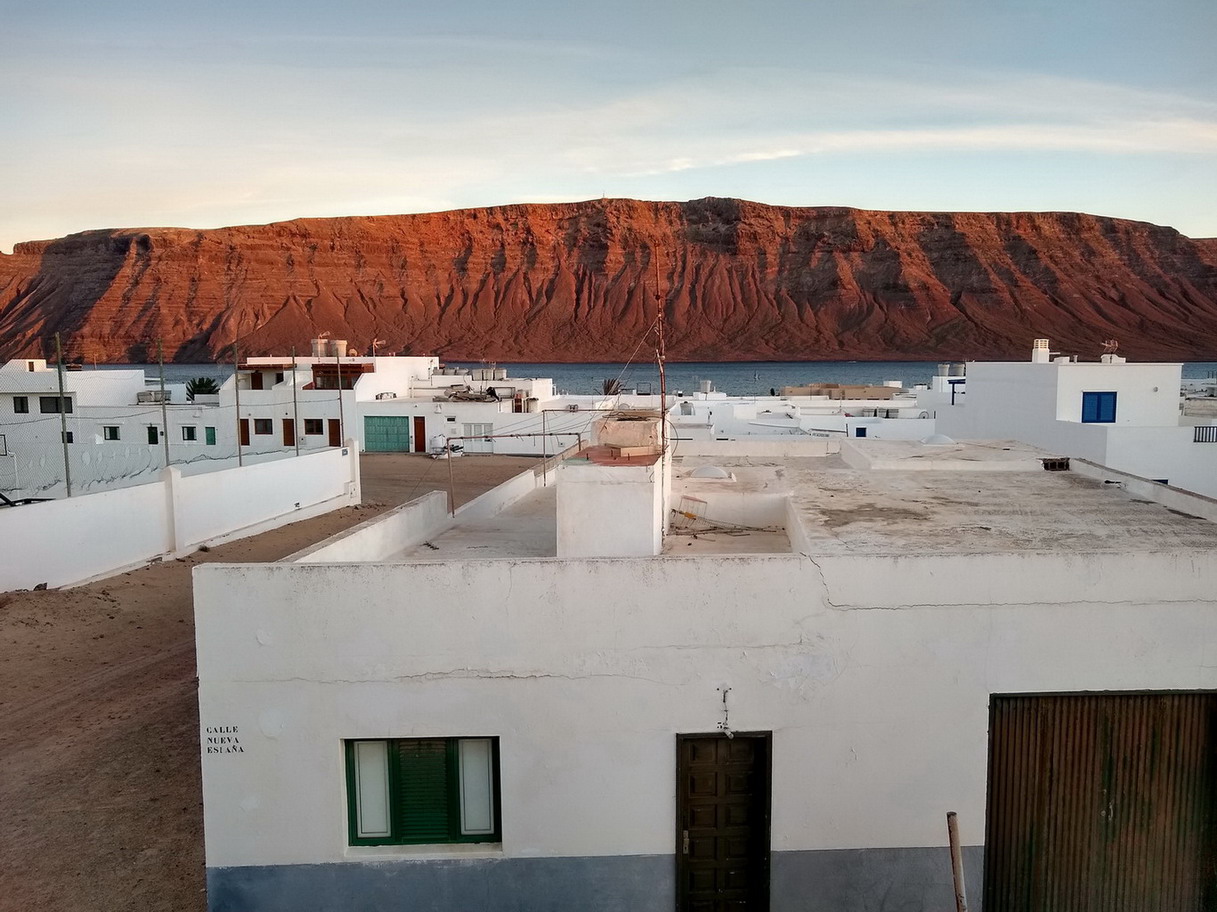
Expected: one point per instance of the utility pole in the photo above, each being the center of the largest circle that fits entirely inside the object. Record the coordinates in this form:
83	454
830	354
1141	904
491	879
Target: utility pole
661	356
236	388
63	416
295	405
342	428
160	357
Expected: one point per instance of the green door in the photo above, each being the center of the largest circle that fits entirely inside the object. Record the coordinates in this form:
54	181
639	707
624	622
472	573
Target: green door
385	434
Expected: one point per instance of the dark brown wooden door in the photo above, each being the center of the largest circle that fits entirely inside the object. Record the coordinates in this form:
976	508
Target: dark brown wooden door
289	432
722	822
1102	801
244	430
420	434
255	380
335	432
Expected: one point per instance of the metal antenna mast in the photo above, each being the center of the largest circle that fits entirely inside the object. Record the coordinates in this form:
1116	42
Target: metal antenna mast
660	357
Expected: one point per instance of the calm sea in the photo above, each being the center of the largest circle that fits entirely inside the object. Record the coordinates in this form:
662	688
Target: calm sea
736	378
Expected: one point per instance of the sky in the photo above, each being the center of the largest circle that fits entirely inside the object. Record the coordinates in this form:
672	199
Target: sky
204	114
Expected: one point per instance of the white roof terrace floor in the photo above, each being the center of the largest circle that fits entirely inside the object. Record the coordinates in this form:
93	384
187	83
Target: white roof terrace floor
526	528
975	501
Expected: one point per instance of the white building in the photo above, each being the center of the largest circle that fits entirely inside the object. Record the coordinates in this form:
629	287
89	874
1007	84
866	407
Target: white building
754	675
113	425
118	432
1121	415
400	404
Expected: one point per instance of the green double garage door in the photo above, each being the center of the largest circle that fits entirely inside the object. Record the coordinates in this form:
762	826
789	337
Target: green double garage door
386	434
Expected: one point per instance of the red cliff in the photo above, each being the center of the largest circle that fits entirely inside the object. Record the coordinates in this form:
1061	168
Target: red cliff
576	282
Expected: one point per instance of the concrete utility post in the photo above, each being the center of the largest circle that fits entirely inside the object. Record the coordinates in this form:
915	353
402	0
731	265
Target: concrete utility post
236	388
295	405
63	416
160	358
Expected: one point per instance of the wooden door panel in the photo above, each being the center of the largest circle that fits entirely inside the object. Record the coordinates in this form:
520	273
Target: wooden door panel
723	822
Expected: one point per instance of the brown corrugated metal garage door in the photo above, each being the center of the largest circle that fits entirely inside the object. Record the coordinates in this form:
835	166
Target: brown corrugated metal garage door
1101	802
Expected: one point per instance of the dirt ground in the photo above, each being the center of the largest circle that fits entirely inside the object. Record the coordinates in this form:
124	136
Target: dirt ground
100	800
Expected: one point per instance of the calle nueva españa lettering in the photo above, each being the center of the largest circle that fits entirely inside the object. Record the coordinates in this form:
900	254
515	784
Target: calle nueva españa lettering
222	739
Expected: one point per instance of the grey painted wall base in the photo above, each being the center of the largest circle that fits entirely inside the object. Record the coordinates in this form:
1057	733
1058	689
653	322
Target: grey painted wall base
619	883
873	880
841	880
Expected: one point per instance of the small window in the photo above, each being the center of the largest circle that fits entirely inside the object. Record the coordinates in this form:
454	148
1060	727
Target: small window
1099	408
423	790
109	432
264	426
209	436
153	436
314	426
67	436
49	405
278	376
21	405
451	419
190	433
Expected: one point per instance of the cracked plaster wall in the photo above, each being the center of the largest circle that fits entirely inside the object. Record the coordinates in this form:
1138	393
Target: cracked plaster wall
873	672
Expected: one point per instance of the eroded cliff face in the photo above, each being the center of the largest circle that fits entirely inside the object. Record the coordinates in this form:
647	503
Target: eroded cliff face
576	282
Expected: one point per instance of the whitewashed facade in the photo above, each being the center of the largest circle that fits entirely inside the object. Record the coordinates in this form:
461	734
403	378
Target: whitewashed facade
849	615
1122	415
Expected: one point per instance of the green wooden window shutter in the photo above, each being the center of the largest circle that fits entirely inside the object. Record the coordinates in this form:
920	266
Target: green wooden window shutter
423	783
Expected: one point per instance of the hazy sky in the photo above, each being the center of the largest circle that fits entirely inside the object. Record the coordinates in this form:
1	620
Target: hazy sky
129	113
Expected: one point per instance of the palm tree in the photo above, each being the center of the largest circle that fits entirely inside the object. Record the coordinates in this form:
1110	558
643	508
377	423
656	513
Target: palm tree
611	386
201	386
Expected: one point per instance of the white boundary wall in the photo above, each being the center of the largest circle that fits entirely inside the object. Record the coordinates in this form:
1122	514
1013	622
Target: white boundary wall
382	536
70	541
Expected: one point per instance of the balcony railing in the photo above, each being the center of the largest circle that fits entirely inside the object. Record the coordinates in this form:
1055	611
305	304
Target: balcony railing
1204	433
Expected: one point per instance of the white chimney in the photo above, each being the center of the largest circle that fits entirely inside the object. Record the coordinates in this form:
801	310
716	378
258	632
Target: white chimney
1040	353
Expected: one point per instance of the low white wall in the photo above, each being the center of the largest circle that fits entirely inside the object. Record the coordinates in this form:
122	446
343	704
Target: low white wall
64	542
381	536
1169	453
220	503
1168	495
795	446
874	673
69	541
504	495
725	503
876	457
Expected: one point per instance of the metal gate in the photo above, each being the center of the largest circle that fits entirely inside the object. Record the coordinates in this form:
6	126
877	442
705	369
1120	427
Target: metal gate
386	434
1101	802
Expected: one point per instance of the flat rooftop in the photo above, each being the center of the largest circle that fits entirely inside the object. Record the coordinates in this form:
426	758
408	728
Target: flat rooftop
885	512
979	497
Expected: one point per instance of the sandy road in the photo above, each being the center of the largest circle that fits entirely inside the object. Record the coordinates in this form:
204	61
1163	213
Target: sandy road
99	754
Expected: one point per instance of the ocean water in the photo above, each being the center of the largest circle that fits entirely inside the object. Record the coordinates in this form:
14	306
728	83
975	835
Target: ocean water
736	378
